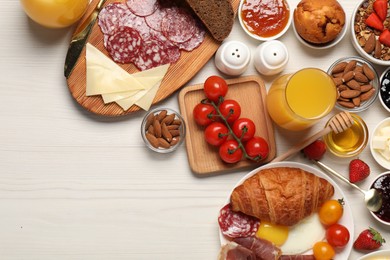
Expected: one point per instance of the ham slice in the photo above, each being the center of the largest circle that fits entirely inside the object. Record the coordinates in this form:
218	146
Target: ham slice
263	249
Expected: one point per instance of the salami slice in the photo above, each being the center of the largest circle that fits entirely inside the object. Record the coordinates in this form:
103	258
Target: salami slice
112	17
156	53
124	45
236	224
195	41
142	7
178	25
154	20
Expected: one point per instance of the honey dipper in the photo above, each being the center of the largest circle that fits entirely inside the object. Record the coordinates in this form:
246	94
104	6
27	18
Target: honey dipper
338	123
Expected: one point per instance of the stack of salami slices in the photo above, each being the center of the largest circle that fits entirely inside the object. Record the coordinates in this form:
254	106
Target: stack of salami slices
147	33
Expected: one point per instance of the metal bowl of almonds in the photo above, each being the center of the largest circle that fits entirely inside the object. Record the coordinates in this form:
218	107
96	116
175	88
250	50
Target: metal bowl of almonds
370	37
357	83
163	130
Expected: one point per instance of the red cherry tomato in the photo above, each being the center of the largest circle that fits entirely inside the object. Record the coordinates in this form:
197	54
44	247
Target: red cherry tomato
230	152
216	133
230	110
244	128
215	87
337	235
204	114
257	147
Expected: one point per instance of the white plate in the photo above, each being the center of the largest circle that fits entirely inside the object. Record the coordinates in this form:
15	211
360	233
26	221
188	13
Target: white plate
378	255
346	219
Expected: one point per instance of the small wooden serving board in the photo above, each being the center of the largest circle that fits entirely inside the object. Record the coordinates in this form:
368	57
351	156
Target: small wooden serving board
250	93
178	74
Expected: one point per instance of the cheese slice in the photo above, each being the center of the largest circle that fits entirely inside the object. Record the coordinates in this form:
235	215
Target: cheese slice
143	98
105	76
147	82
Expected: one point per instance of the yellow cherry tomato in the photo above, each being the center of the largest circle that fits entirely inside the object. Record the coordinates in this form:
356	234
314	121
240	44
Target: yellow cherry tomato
55	13
331	211
323	251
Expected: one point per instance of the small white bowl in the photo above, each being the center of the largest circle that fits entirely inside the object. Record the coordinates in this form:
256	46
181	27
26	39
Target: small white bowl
384	89
380	254
355	43
377	156
257	37
324	45
385	198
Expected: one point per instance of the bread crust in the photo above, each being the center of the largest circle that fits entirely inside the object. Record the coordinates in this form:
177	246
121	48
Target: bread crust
281	195
216	15
319	21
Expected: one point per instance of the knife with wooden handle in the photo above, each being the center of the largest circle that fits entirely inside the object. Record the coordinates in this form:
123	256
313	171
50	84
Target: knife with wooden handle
80	38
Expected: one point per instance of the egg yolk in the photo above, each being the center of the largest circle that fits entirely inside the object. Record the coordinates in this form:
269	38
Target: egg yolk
54	13
276	234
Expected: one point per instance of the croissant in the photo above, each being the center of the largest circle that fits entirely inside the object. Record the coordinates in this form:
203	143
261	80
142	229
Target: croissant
281	195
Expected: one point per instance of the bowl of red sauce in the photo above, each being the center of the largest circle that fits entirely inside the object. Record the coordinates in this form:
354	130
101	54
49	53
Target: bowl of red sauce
382	184
264	20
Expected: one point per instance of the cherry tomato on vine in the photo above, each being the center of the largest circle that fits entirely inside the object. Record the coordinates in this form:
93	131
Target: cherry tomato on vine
204	114
337	235
323	251
331	211
215	87
244	128
257	147
230	152
230	110
216	133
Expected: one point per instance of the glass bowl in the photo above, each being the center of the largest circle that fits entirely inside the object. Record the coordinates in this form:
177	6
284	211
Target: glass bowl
376	141
360	30
384	92
163	130
350	142
260	38
341	83
382	183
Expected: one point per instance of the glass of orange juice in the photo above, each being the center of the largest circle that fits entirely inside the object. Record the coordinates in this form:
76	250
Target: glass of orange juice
55	13
298	101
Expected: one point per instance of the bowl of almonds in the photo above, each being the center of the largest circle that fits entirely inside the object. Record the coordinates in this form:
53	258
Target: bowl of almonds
357	83
163	130
370	36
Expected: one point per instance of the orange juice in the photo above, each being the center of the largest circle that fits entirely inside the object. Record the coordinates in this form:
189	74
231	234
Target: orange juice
297	101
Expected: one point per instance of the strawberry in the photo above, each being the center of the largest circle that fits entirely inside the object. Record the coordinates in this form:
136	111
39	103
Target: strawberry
380	7
358	170
384	38
374	22
315	150
368	239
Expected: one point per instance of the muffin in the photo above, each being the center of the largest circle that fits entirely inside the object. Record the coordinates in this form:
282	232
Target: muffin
319	22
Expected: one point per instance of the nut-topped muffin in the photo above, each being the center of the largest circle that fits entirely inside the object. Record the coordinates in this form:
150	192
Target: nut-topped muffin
319	22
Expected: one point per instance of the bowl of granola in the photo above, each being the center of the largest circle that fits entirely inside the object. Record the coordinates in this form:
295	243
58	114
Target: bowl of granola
370	36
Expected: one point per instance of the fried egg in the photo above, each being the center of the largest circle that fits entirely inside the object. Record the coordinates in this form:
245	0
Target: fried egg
296	239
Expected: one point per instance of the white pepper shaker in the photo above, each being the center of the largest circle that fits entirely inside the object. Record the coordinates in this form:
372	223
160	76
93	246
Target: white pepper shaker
232	58
270	57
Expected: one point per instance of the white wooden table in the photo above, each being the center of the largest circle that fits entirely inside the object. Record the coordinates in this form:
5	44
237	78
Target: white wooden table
74	185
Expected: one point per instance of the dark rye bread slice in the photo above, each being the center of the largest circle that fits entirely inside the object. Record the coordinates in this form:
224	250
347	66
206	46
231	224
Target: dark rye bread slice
216	15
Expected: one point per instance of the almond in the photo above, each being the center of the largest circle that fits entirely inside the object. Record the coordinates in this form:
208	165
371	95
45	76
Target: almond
163	143
152	140
356	101
360	77
346	104
175	140
150	130
161	115
168	119
370	74
366	88
157	128
149	121
342	87
174	133
173	127
338	81
165	132
339	67
353	84
350	66
378	50
349	93
367	95
348	76
370	44
176	122
358	69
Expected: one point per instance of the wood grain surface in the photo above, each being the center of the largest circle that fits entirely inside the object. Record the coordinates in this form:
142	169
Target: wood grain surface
178	74
250	93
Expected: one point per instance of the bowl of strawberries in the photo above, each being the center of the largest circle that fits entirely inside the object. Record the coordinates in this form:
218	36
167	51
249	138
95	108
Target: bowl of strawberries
370	33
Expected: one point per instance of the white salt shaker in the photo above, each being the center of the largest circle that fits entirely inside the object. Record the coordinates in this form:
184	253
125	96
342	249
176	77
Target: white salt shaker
270	57
232	58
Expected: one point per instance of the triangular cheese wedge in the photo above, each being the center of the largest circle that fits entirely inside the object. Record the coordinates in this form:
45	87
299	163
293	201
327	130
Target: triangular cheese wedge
105	76
146	101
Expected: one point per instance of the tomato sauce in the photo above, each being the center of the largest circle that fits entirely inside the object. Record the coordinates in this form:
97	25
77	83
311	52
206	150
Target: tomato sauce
265	18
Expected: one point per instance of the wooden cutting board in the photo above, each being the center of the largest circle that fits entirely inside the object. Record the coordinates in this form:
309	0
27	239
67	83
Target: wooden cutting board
178	74
250	93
